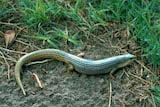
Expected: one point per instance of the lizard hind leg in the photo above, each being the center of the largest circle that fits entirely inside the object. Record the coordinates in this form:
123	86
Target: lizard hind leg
111	74
70	68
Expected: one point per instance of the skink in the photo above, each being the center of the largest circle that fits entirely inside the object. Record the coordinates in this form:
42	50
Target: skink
85	66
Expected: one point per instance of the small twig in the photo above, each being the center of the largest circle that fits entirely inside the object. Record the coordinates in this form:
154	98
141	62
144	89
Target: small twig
38	81
123	105
20	30
1	33
8	67
9	59
12	51
116	47
27	44
1	62
98	38
11	24
110	95
144	67
153	100
139	78
124	72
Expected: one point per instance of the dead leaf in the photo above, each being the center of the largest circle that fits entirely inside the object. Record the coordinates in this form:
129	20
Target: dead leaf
81	54
9	37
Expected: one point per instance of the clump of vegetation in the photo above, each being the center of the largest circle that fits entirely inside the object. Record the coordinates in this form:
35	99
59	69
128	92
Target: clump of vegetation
35	12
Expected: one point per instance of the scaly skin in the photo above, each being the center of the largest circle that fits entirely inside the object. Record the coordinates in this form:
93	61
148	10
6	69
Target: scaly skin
85	66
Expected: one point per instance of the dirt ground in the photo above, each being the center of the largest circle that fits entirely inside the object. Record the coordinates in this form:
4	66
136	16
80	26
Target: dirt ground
62	89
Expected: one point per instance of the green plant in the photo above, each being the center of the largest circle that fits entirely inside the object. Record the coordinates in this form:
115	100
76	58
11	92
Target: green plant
156	94
56	36
35	12
65	34
7	9
143	28
96	17
44	38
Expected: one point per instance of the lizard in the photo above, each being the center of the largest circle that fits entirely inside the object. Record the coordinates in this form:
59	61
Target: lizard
81	65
